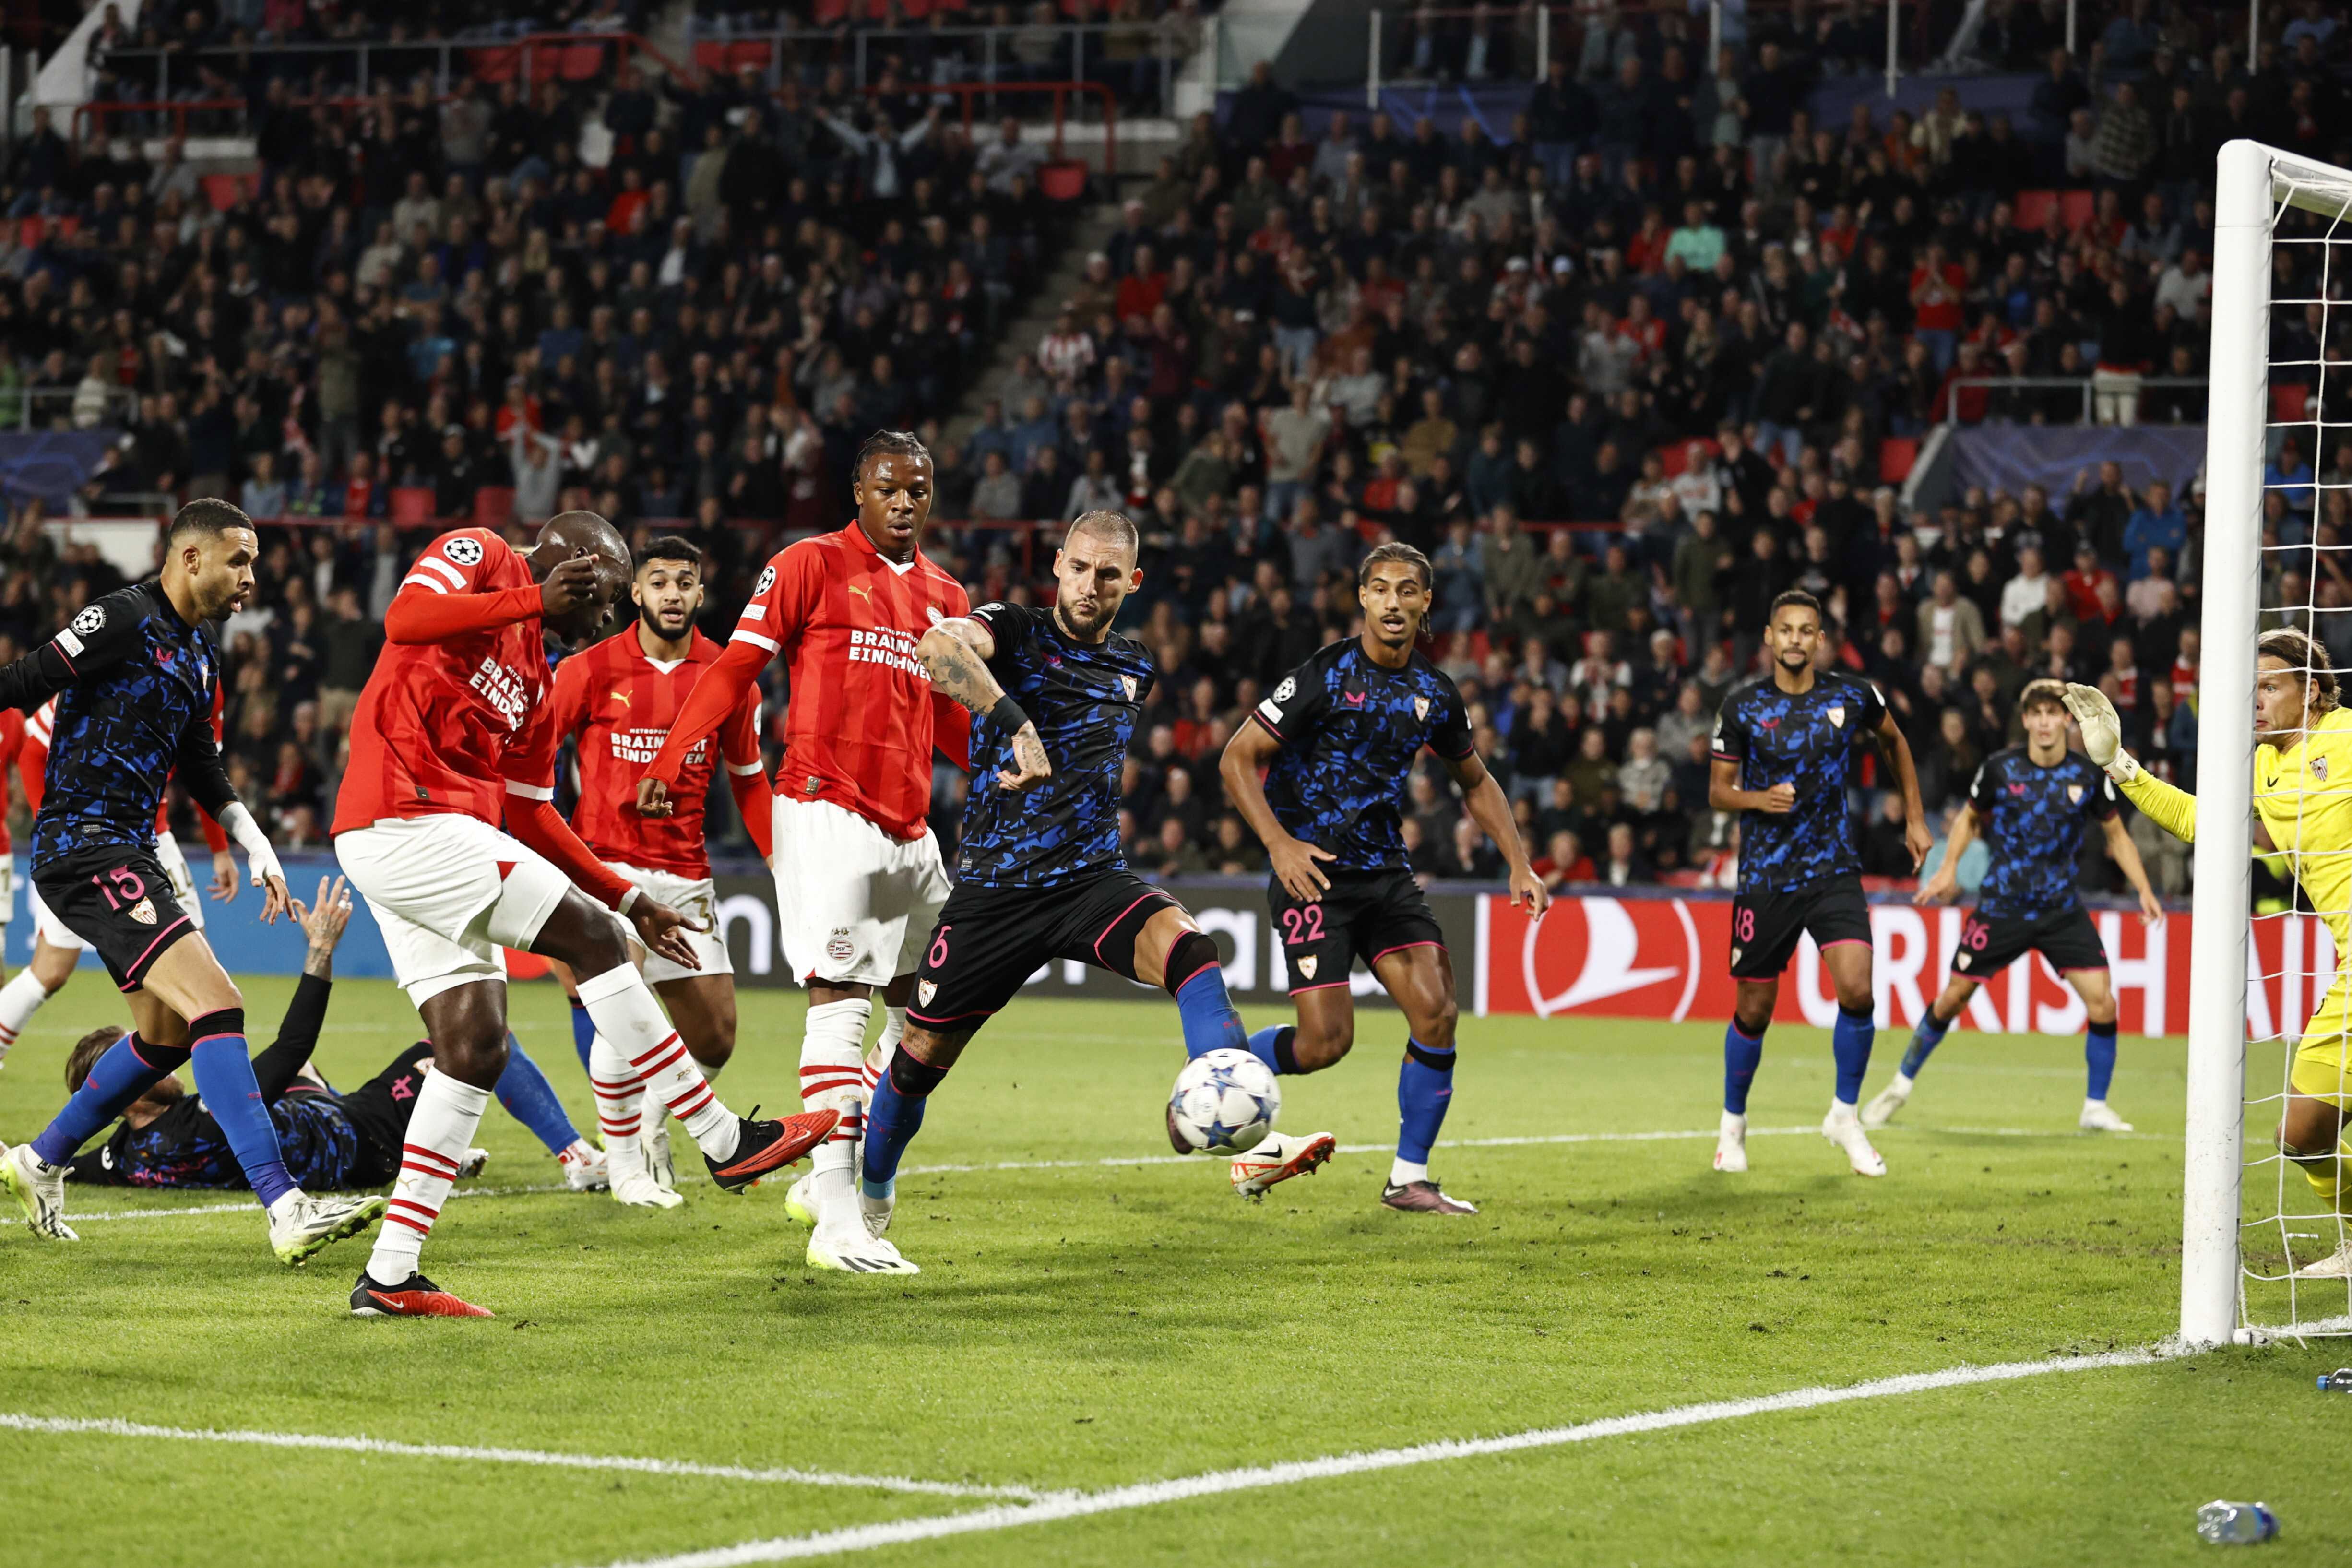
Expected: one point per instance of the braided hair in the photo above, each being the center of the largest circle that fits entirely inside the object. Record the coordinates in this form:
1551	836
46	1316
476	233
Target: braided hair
898	443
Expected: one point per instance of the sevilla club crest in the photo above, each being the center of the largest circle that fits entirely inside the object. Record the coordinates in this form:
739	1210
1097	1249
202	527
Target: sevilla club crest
1127	683
1307	966
2319	769
1837	715
1420	708
2074	794
143	912
926	989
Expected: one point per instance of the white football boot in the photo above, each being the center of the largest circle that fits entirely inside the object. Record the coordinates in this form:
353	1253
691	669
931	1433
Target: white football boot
655	1139
2337	1265
1843	1128
848	1249
302	1226
1277	1157
40	1189
633	1184
472	1163
586	1167
876	1212
2099	1117
1731	1143
1885	1103
800	1199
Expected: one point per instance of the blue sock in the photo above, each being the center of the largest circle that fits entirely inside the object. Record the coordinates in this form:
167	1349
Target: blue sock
530	1099
2099	1051
1850	1040
894	1114
1272	1046
130	1067
1742	1054
583	1032
1210	1021
1924	1041
1424	1089
224	1070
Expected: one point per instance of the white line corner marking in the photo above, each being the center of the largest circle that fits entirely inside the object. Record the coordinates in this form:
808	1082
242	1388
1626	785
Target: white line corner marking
112	1428
1147	1494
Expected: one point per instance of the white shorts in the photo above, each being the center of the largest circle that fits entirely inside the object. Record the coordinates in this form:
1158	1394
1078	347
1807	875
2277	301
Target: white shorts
437	892
853	904
8	889
47	926
693	897
183	881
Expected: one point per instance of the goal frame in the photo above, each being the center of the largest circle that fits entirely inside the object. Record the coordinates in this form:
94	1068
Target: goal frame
2253	182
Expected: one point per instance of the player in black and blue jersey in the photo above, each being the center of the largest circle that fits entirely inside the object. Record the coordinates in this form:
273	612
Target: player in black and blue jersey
2032	804
334	1140
1336	743
1041	874
1783	745
134	675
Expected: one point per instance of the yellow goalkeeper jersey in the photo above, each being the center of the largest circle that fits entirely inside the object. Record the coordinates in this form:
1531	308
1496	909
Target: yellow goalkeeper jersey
2303	797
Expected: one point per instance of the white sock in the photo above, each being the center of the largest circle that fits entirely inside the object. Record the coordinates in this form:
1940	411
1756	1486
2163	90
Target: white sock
620	1094
833	1067
877	1056
19	1000
1902	1082
440	1130
626	1013
1402	1171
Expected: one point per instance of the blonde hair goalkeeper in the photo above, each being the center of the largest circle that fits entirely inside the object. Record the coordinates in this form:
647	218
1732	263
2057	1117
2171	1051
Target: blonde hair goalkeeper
2302	809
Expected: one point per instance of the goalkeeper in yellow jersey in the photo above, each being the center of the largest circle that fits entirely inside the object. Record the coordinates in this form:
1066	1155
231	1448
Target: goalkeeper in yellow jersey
2302	809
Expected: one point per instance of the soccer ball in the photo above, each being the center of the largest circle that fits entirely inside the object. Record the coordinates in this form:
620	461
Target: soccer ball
1224	1103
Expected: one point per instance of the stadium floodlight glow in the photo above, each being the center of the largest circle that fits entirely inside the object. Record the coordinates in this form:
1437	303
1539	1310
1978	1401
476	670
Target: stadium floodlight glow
2266	200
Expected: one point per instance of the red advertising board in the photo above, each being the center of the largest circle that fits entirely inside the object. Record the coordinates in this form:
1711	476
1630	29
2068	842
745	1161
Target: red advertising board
1668	957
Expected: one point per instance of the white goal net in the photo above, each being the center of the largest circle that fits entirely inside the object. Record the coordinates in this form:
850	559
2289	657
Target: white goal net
2266	1029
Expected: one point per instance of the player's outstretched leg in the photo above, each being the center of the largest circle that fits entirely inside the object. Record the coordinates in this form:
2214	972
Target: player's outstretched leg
35	1172
894	1116
1933	1025
1325	1031
51	966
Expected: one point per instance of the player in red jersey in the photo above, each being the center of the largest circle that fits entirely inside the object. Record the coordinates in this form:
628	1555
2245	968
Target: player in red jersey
57	950
858	879
619	698
453	732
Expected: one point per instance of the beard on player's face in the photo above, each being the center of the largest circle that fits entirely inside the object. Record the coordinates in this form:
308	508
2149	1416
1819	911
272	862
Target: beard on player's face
668	622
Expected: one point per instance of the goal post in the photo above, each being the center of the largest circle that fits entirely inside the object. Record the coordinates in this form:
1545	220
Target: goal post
2257	187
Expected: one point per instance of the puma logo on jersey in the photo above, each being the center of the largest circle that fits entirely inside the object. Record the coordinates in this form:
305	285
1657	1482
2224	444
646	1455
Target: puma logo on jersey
622	698
863	592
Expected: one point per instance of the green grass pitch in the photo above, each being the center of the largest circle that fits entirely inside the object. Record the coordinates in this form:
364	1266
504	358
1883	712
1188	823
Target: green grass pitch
1092	1325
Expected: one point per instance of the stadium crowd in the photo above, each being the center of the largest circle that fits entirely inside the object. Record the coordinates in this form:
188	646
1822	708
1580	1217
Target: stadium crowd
1624	374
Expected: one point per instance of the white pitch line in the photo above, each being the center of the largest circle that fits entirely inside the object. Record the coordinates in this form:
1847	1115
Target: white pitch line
1113	1161
1148	1494
112	1428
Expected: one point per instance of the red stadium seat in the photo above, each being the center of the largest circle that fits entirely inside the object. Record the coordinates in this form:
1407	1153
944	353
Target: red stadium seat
2076	207
68	226
827	12
2290	403
412	503
493	506
582	62
546	61
1895	456
711	55
1676	455
2033	207
1062	182
492	67
751	52
30	231
221	191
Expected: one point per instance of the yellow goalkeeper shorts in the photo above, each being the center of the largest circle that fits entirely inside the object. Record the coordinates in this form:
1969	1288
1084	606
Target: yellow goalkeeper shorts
2323	1060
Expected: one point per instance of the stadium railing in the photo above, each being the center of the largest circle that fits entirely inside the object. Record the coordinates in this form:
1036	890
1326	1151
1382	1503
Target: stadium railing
25	407
529	59
2083	384
857	50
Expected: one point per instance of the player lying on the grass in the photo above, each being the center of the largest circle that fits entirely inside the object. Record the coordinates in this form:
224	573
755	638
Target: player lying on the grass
858	877
2030	802
1335	744
1781	747
453	733
55	949
619	698
1041	875
333	1141
135	674
2302	810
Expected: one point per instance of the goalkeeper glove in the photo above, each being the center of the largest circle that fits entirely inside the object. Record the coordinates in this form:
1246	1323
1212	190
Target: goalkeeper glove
2102	731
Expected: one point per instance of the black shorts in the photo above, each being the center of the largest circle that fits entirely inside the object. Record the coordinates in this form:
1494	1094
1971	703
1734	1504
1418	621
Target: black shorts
1990	943
118	899
1765	926
990	941
380	1109
1363	914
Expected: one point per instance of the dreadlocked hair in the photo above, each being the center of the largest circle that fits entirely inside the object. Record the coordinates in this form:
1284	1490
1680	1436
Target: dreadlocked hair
2301	653
898	443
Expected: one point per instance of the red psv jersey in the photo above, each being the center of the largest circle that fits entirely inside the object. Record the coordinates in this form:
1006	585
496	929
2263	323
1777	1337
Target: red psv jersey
859	728
441	726
620	703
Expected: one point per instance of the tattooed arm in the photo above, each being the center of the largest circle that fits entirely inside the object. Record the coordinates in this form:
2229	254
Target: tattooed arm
956	653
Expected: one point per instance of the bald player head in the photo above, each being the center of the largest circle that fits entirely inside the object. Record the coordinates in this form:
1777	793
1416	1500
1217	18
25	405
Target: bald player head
577	535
